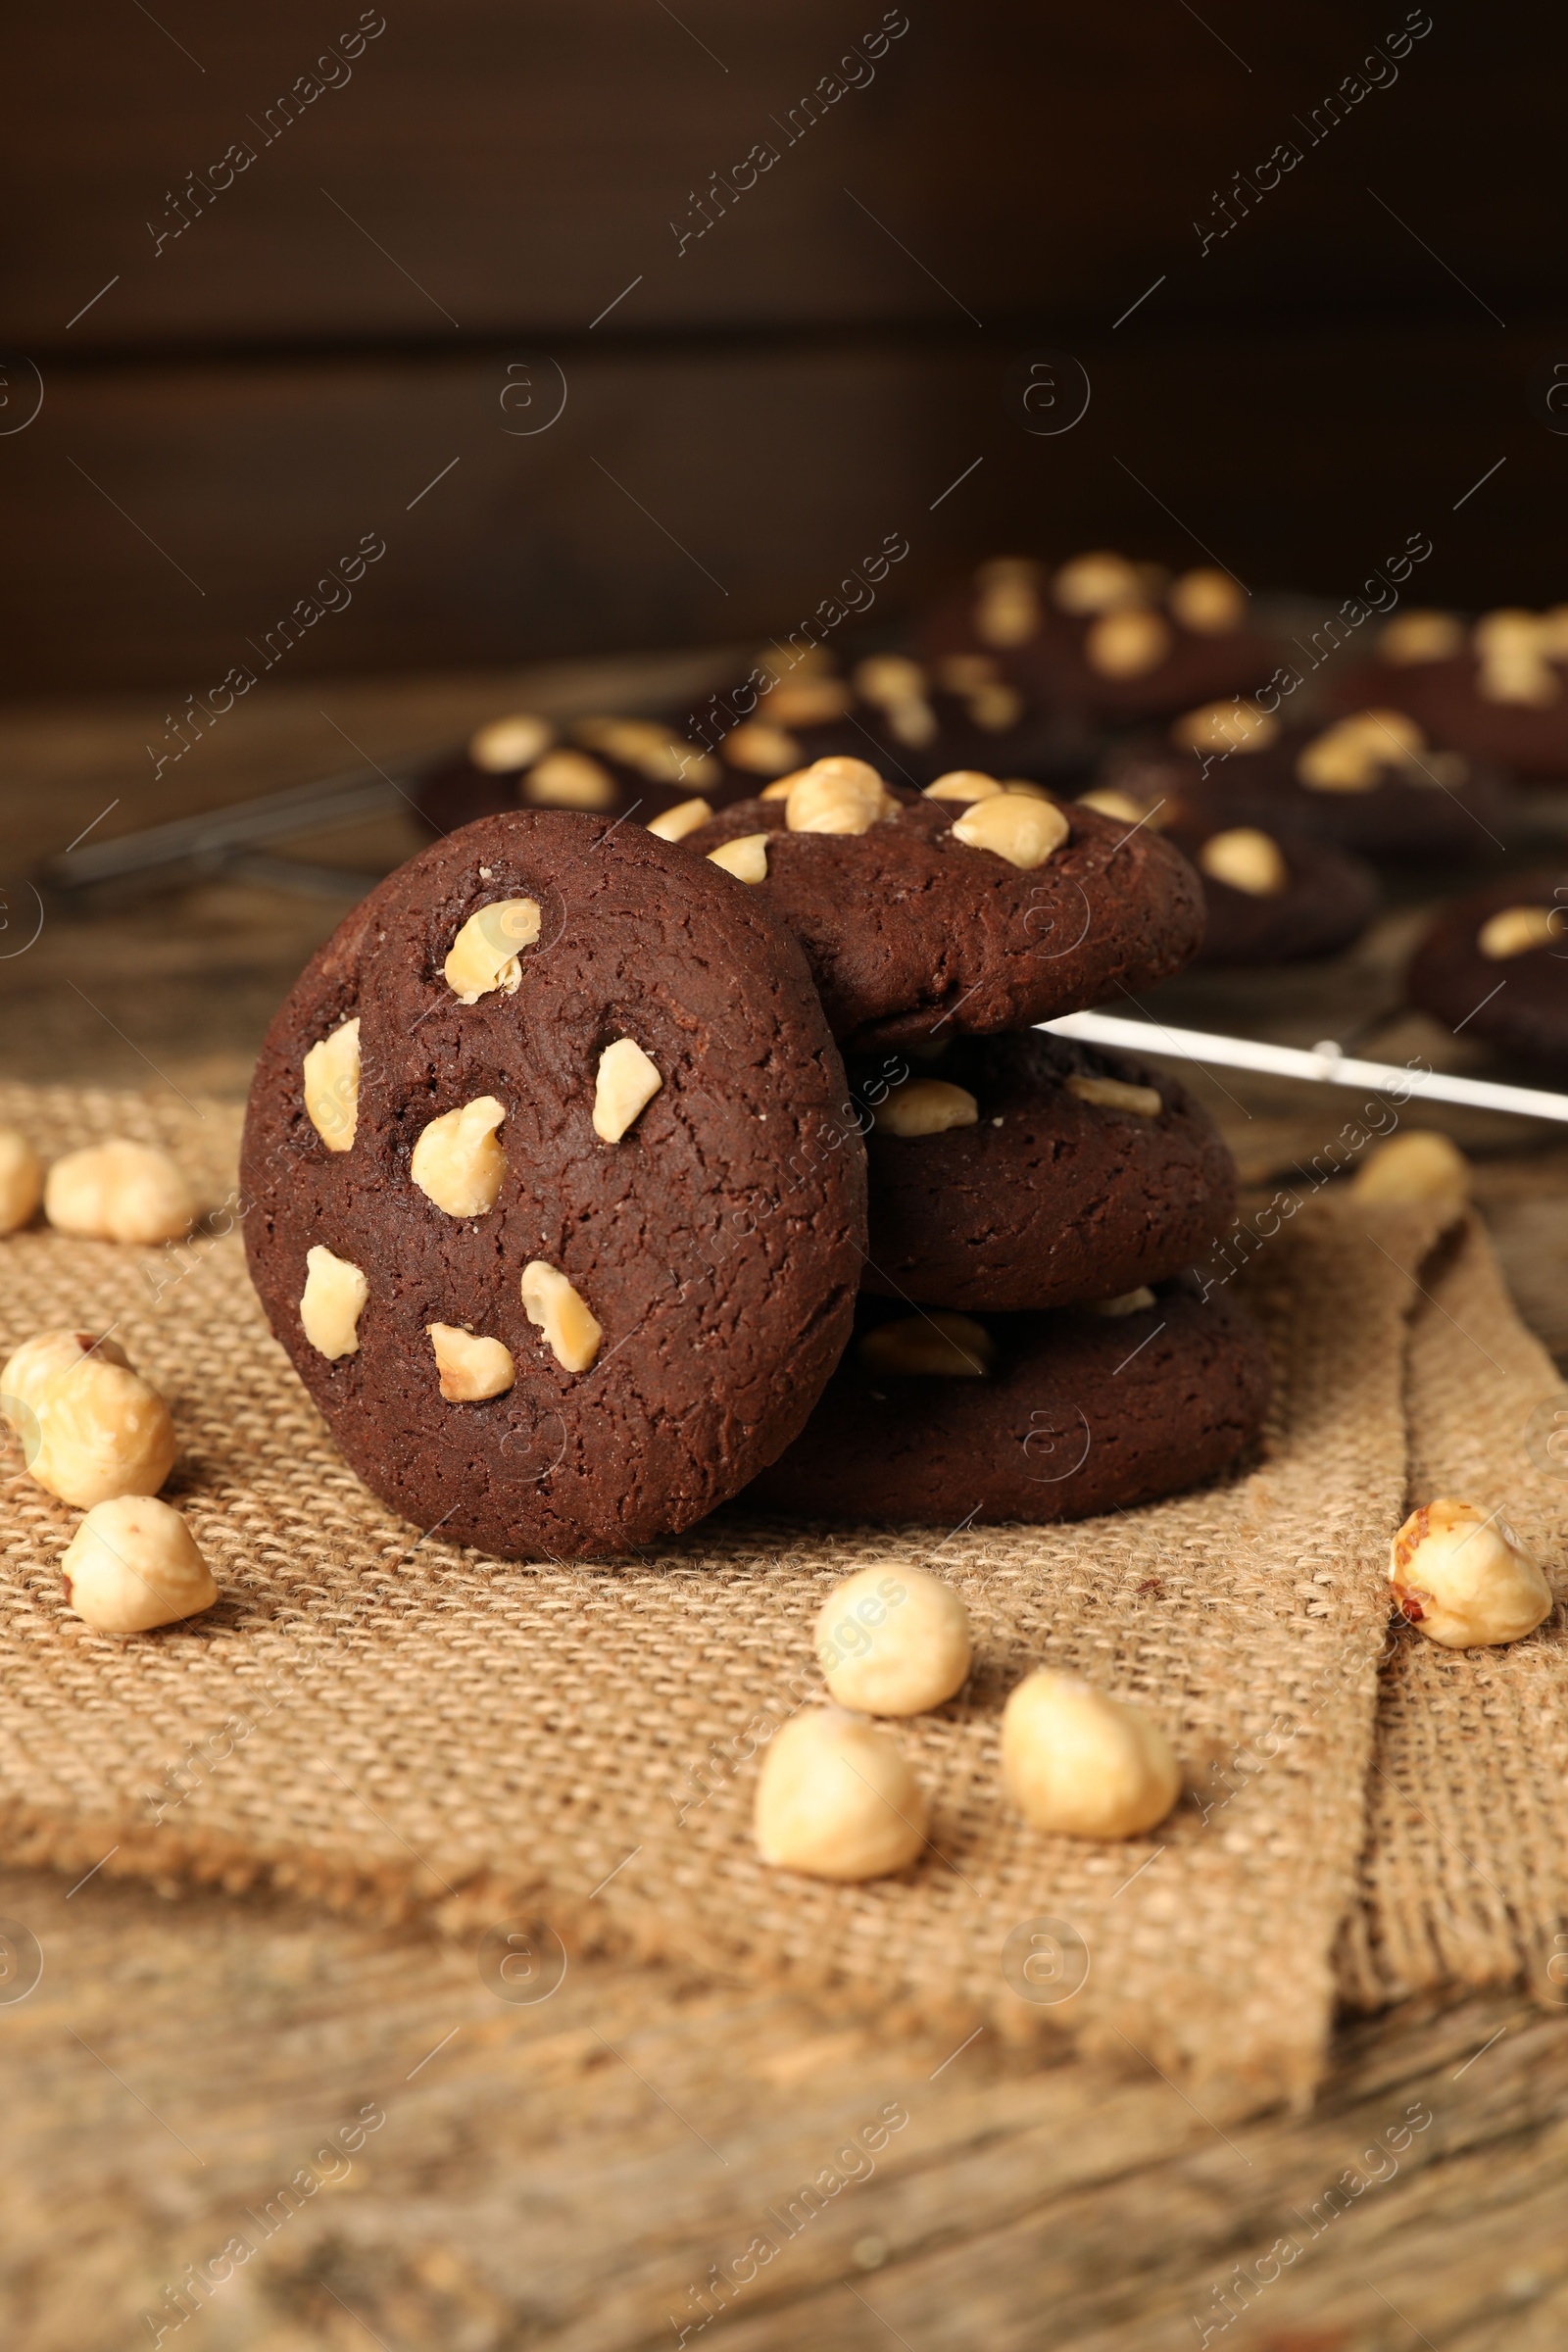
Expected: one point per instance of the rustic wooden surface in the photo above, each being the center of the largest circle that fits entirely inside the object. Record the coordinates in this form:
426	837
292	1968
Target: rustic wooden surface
565	2174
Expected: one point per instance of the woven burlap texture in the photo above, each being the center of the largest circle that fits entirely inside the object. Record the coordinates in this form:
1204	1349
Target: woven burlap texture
1465	1873
381	1720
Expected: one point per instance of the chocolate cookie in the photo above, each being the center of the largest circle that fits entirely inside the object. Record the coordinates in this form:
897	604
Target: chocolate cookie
1497	689
1066	1173
1107	639
1369	782
911	723
1032	1417
600	767
1495	966
920	915
517	1204
1276	897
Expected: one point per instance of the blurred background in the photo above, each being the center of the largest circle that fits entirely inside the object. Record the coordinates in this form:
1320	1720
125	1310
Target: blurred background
449	225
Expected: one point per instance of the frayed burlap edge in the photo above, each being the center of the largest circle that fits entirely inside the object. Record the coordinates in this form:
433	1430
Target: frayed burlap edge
1465	1873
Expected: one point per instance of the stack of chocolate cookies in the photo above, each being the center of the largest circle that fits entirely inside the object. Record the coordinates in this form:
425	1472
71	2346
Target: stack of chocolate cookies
557	1183
1032	1341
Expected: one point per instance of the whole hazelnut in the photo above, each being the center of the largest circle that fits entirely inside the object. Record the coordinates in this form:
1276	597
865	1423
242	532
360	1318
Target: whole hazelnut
1096	582
807	702
1518	931
892	1642
1111	800
101	1430
1419	636
36	1362
836	1799
963	784
21	1179
1245	860
1128	642
1465	1578
1418	1166
1083	1764
838	796
133	1564
1023	830
1343	758
566	779
646	745
996	707
761	750
510	743
1227	727
1006	607
1207	602
118	1191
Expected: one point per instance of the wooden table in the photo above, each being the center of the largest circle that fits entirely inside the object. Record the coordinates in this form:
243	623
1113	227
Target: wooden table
564	2175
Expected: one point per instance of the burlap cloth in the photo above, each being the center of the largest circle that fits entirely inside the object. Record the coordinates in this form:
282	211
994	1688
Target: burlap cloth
1465	1873
380	1719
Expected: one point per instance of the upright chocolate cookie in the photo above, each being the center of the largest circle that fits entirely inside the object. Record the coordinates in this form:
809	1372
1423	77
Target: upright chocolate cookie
1495	966
940	1418
983	911
1497	689
1029	1171
517	1203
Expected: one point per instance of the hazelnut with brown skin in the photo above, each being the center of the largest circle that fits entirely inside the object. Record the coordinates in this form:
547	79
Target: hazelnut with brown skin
1464	1578
89	1427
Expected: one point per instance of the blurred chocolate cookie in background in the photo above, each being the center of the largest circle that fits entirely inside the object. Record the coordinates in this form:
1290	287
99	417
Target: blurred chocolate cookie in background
1494	967
1270	895
601	766
1106	639
1368	782
1496	688
913	721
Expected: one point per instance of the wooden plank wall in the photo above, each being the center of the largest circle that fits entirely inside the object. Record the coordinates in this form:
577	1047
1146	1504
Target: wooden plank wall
288	277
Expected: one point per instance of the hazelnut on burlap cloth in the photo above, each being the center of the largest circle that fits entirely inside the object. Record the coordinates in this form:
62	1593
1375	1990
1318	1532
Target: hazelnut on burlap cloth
1465	1873
390	1722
